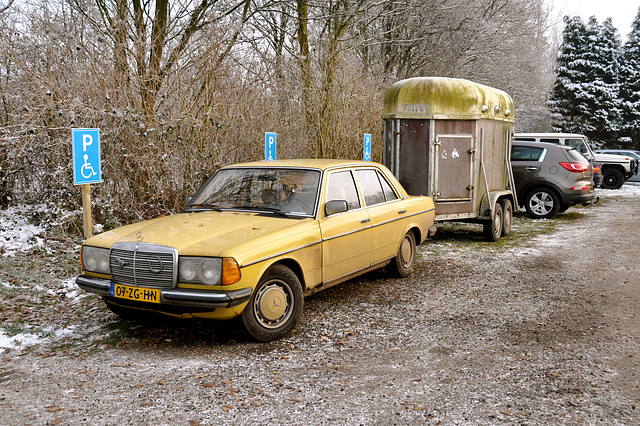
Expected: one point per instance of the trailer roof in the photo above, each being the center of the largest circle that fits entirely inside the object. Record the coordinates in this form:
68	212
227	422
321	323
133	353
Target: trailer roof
446	98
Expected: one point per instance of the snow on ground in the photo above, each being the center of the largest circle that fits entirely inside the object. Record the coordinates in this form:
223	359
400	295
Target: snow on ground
18	235
32	338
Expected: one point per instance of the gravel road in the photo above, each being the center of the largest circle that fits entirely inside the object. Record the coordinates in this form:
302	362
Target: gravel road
536	329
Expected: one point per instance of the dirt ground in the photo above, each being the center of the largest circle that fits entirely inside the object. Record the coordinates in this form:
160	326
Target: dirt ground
542	327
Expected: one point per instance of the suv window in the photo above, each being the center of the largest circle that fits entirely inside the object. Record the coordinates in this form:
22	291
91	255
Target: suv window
575	155
526	153
578	144
340	186
553	140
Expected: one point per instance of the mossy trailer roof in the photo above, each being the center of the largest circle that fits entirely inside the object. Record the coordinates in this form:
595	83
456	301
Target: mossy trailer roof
446	99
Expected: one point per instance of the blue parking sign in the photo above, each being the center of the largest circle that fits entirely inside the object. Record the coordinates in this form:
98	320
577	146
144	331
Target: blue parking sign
367	147
270	146
86	156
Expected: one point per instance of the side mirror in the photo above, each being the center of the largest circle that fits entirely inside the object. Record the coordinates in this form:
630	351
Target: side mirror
335	206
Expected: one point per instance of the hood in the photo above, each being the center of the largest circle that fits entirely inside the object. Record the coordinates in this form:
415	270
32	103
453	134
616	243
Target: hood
195	233
611	158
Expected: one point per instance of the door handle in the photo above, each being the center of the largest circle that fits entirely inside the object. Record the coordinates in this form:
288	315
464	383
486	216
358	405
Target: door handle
402	212
530	169
365	221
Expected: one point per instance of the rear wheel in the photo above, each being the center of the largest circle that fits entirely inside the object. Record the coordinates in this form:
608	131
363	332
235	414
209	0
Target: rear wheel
613	179
542	203
275	305
507	216
402	264
493	228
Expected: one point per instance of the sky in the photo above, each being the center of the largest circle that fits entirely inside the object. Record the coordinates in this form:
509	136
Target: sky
621	12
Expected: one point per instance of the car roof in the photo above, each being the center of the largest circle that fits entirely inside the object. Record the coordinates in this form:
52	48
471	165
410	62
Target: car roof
548	135
321	164
543	144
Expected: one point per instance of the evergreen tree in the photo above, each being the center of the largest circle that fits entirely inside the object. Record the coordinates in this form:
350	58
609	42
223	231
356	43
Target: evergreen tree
584	98
565	103
603	104
630	88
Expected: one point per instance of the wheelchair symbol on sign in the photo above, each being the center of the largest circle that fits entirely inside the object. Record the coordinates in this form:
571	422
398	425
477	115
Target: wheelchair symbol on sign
88	168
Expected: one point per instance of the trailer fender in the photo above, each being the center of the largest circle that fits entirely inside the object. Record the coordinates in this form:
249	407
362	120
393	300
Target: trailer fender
487	204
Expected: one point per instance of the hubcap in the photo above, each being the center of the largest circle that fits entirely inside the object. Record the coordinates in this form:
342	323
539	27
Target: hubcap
272	305
406	252
541	203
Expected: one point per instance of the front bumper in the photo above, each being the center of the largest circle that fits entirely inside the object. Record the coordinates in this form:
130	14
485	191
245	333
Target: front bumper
174	296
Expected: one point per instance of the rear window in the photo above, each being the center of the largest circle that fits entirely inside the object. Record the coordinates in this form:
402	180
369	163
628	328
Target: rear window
526	153
576	156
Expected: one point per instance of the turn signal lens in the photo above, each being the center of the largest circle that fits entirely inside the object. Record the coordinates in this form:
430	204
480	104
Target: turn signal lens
575	167
230	271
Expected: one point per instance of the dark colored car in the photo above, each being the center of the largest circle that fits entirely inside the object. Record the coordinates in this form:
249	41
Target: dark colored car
550	178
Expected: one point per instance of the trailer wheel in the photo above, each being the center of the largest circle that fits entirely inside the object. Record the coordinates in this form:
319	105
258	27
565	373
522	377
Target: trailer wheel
507	213
493	228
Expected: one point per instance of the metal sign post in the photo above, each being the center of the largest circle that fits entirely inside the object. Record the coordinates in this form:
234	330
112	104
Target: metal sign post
270	146
367	147
86	169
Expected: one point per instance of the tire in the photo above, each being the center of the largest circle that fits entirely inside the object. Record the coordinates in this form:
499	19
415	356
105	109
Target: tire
402	264
613	179
275	305
507	216
542	203
492	229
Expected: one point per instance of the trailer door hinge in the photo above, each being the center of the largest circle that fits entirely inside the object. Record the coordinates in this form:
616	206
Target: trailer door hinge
471	151
470	187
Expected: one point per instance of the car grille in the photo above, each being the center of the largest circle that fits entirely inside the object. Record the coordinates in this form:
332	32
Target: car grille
144	264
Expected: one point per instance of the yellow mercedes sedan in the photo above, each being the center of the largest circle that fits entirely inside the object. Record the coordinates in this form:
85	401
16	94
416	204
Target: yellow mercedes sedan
256	239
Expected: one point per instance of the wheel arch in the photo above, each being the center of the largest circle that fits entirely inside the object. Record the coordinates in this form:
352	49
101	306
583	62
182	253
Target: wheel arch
295	268
541	185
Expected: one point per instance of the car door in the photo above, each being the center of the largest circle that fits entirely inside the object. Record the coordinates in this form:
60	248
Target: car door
525	163
346	236
385	209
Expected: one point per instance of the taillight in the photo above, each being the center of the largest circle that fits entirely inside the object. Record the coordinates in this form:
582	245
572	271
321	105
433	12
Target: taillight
596	169
580	188
575	167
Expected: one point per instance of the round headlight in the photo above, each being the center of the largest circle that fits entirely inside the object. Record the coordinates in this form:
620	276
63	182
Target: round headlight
210	272
188	270
103	262
89	259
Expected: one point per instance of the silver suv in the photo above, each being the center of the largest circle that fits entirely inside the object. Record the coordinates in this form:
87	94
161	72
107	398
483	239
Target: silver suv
550	178
615	169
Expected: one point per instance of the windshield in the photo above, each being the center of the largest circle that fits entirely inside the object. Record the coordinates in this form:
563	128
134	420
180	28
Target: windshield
275	190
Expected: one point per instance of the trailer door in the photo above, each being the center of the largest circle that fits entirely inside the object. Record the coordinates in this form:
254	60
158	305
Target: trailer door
453	165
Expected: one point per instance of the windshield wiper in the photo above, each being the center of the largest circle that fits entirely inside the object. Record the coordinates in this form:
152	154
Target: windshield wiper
264	209
205	207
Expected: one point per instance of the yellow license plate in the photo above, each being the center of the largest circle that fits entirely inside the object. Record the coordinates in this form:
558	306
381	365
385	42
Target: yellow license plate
141	294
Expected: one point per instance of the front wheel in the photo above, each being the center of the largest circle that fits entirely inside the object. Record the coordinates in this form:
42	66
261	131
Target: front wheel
492	229
275	305
402	264
542	204
613	179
